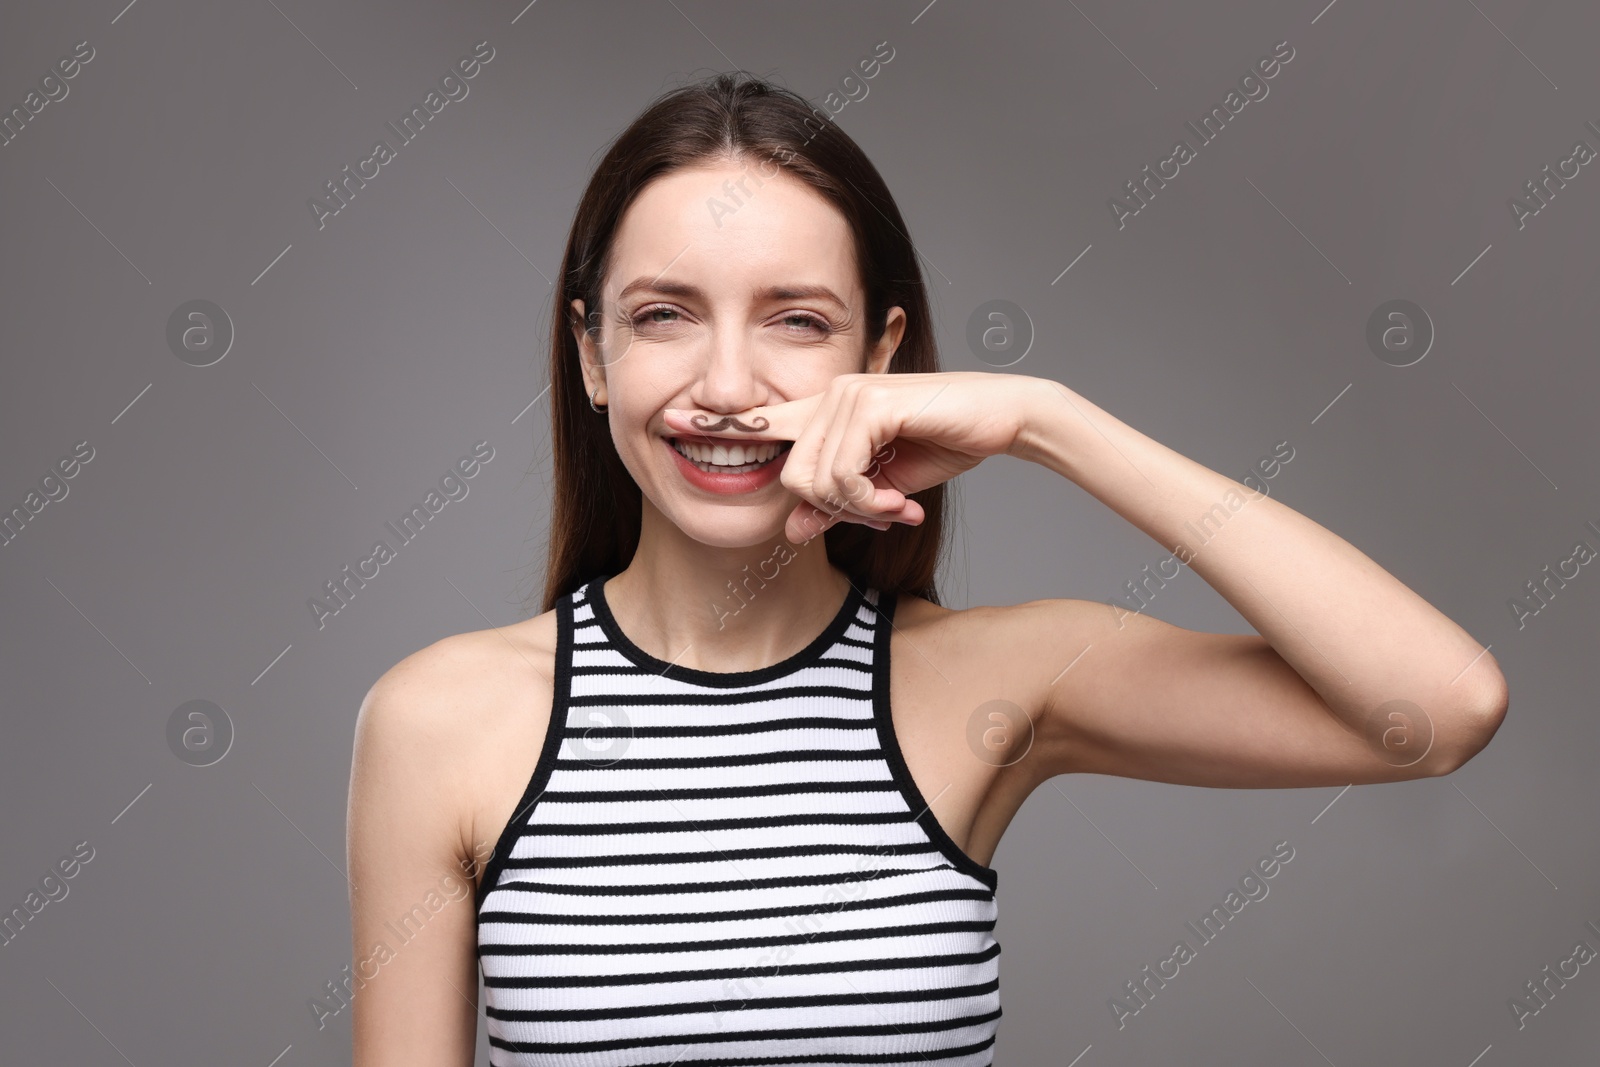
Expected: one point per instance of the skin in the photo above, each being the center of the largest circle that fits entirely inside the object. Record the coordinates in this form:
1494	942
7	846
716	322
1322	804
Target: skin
446	740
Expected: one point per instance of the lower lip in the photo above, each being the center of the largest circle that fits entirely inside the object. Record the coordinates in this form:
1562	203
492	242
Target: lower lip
731	483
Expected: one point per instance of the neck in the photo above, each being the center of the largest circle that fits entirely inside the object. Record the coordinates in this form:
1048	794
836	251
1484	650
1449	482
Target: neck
723	609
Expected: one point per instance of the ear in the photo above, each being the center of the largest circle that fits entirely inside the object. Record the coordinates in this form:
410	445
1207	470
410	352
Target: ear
894	328
588	351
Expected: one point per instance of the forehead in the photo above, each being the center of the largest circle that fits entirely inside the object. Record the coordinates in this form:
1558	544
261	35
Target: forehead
700	225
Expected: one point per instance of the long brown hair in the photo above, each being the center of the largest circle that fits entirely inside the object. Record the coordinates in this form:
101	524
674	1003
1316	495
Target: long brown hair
596	512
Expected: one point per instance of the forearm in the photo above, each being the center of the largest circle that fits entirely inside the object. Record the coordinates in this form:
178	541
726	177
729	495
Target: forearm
1356	634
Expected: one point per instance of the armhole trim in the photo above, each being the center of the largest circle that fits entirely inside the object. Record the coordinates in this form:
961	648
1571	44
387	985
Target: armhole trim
555	730
883	632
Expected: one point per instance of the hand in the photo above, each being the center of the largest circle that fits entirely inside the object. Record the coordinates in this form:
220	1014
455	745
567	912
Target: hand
868	441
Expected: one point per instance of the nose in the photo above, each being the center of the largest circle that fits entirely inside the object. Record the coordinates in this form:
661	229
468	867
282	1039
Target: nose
727	380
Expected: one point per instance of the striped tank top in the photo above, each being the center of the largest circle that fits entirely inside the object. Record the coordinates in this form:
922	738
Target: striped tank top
731	869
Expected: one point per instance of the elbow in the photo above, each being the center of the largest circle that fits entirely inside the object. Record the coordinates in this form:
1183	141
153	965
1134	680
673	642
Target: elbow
1471	730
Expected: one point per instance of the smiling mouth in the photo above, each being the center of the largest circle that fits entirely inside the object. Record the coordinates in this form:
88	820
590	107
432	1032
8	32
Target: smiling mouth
729	458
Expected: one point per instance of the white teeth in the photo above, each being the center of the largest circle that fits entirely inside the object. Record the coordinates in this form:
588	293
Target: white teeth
726	458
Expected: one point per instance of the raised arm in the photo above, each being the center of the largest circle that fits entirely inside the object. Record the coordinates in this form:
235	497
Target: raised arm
1353	677
1349	677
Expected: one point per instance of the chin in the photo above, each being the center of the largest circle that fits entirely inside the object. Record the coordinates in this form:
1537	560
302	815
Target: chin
725	526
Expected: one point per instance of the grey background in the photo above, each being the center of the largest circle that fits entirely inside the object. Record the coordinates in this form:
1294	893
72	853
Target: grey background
1224	318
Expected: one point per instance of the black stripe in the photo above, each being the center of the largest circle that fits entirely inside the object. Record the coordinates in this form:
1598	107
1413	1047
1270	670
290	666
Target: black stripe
787	1034
766	852
833	818
727	729
742	696
552	796
632	670
705	974
780	1061
738	759
854	643
702	888
815	1000
646	948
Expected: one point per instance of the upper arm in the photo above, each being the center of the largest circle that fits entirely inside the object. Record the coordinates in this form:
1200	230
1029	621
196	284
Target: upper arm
1146	699
411	900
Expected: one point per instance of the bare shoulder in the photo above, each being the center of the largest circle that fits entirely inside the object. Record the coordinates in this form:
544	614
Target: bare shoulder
452	722
438	693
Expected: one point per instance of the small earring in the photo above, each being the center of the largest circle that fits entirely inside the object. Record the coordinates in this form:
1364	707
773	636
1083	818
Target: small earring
598	407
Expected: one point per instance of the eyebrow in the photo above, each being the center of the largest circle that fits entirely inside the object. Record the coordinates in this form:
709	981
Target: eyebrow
770	293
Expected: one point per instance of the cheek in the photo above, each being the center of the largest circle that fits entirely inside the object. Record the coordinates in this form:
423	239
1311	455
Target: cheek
632	403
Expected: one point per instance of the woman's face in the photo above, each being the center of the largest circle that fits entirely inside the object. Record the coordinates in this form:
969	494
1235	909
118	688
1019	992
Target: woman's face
730	286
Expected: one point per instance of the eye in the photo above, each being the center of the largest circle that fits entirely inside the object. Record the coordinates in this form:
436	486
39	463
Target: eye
646	316
807	321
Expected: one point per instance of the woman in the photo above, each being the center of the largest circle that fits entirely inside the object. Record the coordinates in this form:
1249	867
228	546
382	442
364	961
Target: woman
731	797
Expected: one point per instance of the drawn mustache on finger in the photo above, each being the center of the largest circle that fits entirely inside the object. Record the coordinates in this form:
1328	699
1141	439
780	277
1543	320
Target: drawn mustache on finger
727	422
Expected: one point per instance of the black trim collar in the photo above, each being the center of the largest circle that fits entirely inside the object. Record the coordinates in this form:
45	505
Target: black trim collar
595	595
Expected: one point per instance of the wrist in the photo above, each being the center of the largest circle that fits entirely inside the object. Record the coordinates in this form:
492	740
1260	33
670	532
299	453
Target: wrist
1038	412
1056	431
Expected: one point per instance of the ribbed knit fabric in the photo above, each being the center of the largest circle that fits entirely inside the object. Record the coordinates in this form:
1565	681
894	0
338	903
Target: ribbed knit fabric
731	869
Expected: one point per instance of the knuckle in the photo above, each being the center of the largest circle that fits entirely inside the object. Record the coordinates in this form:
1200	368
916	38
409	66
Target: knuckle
849	481
800	487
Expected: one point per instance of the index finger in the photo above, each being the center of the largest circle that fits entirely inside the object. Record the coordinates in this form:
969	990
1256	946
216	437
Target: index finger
766	422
